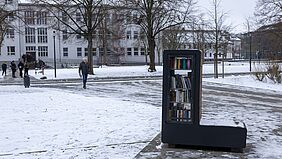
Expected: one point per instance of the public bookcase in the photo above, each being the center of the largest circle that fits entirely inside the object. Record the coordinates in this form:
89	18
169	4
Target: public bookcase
181	106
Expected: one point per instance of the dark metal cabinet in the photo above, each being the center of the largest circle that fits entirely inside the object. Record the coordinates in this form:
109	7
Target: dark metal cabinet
181	106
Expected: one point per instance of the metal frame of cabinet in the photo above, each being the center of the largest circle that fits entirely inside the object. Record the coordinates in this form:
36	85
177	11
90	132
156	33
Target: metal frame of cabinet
181	115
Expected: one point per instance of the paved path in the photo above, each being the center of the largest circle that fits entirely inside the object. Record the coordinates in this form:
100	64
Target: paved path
260	110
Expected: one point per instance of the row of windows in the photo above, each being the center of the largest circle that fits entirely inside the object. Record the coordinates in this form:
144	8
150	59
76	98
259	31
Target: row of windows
10	33
43	51
210	55
134	35
11	50
41	35
40	17
78	36
136	51
134	18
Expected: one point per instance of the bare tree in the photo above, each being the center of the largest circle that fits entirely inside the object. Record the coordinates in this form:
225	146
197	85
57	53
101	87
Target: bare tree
81	17
112	31
172	38
5	20
157	16
269	11
219	27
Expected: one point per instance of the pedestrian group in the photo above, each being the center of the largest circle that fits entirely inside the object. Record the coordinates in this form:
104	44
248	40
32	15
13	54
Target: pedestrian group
21	67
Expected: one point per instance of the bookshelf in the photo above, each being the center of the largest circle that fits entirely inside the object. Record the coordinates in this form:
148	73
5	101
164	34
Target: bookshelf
180	93
181	106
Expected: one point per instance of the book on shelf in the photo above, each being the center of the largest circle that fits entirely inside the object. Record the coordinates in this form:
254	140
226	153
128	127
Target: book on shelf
180	115
179	81
180	89
180	63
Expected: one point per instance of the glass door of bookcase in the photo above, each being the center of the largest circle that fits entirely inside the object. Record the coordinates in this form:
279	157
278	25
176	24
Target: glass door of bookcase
180	90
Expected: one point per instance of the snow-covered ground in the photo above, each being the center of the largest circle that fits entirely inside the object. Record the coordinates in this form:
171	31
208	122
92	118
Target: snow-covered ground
49	122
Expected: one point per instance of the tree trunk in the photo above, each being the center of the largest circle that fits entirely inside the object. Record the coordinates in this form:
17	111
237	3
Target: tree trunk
152	45
90	55
215	62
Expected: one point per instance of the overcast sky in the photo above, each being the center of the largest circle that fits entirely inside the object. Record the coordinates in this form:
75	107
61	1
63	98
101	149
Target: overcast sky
237	11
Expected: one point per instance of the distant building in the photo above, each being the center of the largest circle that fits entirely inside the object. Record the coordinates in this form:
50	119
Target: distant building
204	40
35	34
265	42
36	37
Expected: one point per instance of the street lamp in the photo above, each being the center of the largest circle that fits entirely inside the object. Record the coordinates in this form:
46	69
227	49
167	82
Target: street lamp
54	37
250	60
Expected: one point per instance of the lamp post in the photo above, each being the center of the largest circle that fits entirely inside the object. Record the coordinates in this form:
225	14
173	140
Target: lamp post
54	38
250	58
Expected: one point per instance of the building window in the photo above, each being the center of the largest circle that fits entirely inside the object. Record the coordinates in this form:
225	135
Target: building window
101	51
42	35
11	50
128	34
42	51
135	51
10	32
41	18
210	54
85	51
65	34
205	54
129	51
79	52
108	51
142	51
135	35
29	17
30	49
29	35
94	52
65	52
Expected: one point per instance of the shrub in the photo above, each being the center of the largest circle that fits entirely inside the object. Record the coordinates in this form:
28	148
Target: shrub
273	72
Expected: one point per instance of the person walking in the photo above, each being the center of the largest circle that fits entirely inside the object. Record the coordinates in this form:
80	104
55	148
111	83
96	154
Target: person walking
4	69
14	69
83	71
26	68
21	66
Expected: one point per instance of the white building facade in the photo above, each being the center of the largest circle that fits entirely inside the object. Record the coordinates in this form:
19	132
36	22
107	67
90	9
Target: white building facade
32	34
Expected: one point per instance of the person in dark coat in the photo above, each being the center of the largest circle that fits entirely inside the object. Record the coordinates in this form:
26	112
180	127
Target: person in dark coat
14	69
83	71
4	69
42	66
26	68
21	66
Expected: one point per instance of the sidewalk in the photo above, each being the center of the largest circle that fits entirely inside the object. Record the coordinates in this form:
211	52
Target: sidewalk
9	79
